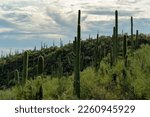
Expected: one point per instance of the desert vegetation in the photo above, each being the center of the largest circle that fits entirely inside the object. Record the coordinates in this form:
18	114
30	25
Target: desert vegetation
104	67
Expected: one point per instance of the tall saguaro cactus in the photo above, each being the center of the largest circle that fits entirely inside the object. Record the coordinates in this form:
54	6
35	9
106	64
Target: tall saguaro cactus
132	47
136	40
77	58
116	31
25	66
97	55
40	65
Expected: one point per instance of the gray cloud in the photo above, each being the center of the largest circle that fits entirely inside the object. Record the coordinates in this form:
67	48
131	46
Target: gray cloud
50	20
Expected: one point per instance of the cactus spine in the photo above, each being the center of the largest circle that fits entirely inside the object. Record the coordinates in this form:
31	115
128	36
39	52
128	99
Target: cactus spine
77	58
40	65
16	74
131	32
25	66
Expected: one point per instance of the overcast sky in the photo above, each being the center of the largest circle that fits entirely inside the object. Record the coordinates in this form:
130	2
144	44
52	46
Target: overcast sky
25	23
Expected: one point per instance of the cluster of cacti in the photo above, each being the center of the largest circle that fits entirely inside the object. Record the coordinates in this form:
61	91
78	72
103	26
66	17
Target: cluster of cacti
99	50
77	58
25	67
40	65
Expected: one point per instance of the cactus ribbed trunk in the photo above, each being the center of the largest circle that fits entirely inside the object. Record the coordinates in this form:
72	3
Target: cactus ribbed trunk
25	66
40	65
77	58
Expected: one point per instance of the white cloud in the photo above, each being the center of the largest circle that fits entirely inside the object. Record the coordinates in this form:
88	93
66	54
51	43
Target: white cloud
54	19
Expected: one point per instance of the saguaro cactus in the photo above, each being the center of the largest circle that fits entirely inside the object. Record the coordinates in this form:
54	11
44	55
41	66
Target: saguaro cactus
25	66
116	32
132	33
16	75
40	65
97	55
77	58
136	41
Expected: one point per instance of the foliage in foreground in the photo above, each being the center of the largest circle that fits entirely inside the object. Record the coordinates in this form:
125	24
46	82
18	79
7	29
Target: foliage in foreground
107	83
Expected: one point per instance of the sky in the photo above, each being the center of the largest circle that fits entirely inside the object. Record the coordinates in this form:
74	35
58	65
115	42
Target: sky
26	23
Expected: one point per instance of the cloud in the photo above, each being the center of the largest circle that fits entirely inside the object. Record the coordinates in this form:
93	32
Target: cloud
23	21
